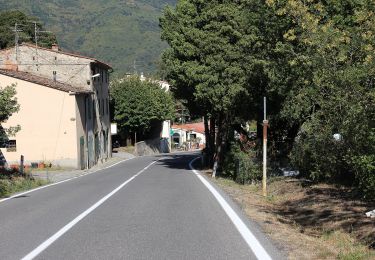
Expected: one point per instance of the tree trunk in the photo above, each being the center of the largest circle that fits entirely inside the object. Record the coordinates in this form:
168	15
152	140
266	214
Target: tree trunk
219	151
208	150
212	141
221	143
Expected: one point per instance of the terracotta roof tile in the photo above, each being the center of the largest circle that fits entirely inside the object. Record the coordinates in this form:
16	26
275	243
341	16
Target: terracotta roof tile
43	81
196	127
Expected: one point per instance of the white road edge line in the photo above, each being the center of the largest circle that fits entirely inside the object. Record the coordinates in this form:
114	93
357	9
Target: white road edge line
43	246
247	235
59	182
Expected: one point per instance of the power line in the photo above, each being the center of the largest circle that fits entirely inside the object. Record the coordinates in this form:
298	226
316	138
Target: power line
36	37
16	38
17	30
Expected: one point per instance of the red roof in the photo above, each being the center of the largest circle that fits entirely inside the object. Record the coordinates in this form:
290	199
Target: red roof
196	127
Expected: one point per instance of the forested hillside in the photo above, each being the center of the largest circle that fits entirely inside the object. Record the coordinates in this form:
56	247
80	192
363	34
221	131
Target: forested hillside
120	32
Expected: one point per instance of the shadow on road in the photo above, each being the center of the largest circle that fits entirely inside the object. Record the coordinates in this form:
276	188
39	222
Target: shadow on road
178	161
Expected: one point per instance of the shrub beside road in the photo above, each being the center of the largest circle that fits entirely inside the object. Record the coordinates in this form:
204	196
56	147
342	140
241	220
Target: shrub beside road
12	182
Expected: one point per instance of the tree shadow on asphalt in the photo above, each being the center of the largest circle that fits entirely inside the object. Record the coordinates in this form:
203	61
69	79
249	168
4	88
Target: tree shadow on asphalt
177	161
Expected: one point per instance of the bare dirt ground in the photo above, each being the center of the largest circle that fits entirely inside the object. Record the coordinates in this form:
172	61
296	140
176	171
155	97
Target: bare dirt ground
309	221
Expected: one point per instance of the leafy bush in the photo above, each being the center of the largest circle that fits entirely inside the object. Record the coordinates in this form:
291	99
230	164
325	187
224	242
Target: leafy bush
364	168
350	161
365	175
10	184
241	166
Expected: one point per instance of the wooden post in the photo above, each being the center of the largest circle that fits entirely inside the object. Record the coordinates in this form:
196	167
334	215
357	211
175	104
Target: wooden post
135	143
265	126
21	164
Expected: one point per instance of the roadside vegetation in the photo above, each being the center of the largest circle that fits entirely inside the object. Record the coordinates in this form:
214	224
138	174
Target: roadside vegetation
139	107
12	182
312	60
308	220
8	106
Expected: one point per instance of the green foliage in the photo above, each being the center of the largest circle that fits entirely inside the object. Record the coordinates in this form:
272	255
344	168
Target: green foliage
11	184
365	173
207	64
8	19
138	104
8	102
204	64
119	32
8	106
364	168
338	96
313	60
242	166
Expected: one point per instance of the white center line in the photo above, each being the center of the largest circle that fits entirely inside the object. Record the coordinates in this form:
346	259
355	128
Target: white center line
72	223
245	232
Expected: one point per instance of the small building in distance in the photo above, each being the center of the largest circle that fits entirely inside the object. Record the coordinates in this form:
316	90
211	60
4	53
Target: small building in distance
64	106
192	135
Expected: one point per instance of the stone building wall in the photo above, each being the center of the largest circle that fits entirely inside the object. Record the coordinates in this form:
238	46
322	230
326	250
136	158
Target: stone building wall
43	62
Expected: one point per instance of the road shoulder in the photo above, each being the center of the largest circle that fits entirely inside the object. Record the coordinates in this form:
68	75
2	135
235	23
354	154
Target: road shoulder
274	250
297	216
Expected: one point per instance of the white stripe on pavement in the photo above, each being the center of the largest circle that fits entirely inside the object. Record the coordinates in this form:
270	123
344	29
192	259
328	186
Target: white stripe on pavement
72	223
245	232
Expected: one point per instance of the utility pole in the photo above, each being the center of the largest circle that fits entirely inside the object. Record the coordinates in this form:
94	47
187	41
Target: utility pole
135	67
265	126
36	38
35	34
16	38
36	41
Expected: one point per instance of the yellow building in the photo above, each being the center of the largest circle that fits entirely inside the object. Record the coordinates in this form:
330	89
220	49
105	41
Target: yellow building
64	107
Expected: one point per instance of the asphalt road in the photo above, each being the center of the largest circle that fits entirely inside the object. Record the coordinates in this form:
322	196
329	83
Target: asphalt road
144	208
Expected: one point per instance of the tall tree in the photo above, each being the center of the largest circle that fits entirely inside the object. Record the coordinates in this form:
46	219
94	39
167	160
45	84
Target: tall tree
205	62
140	104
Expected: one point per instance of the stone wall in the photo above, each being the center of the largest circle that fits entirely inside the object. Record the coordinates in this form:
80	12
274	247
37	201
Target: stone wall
69	69
153	146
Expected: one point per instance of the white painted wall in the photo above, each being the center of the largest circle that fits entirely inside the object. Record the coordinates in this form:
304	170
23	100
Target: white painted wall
48	124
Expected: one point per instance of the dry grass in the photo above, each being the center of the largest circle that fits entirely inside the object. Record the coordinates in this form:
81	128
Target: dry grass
309	221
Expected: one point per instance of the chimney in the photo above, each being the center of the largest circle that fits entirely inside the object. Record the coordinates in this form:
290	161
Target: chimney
55	47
